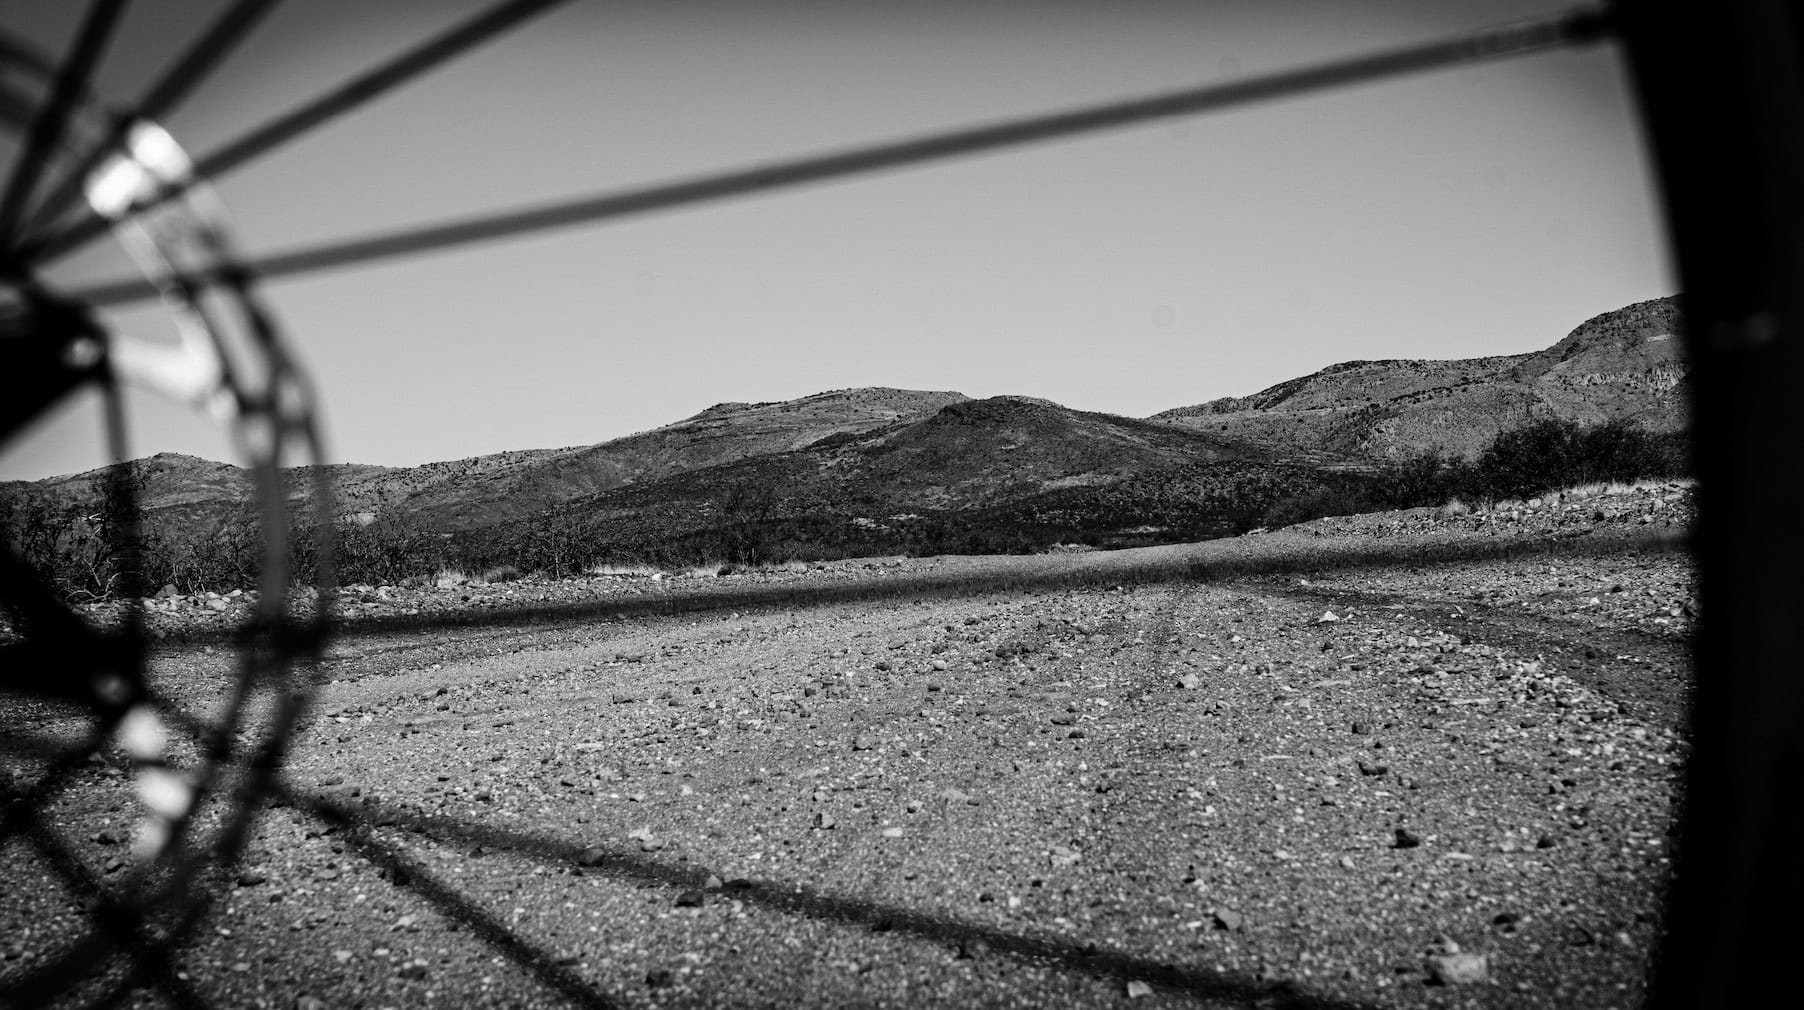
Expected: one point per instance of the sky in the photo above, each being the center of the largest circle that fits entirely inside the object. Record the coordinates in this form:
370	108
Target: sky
1482	210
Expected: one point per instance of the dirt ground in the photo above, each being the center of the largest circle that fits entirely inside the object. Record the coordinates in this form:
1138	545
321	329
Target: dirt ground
1409	760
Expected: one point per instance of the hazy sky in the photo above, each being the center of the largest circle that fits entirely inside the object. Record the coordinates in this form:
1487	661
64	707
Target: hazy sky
1484	210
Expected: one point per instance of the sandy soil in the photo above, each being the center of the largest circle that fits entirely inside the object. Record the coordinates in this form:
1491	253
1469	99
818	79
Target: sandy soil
1402	760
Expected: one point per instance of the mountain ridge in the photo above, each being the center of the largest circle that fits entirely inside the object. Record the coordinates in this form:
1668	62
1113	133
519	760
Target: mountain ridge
862	453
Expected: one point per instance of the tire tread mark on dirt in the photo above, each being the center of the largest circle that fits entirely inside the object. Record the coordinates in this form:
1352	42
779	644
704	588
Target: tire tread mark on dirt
1642	687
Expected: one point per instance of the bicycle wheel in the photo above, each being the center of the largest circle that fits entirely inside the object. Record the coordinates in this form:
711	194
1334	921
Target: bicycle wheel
94	745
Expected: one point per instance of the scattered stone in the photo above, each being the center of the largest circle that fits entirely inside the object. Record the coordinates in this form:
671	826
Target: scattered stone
1458	968
1228	919
824	821
1328	617
1189	681
938	664
250	878
1137	989
1371	770
1406	839
593	855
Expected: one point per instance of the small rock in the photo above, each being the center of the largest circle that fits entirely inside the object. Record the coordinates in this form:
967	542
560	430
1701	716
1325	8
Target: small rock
250	878
593	855
824	821
713	883
1188	682
1228	919
892	832
1459	968
1371	770
1328	617
1137	989
938	664
1406	839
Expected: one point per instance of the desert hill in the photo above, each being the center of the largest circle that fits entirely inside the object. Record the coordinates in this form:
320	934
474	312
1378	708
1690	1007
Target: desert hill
892	470
1625	363
974	473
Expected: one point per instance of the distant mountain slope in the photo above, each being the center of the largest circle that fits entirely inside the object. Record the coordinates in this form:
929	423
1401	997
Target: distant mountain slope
457	494
1625	363
466	493
1003	460
892	469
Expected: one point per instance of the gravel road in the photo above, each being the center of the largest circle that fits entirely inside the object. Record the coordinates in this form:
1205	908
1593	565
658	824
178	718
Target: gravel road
1408	760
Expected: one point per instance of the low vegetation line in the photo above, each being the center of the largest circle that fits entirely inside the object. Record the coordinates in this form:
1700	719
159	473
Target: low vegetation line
1211	561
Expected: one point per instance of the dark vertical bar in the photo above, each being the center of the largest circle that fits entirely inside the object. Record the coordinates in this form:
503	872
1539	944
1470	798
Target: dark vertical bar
1724	105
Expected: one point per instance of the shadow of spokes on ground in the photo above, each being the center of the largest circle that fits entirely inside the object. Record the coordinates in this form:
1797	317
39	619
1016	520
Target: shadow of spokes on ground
358	824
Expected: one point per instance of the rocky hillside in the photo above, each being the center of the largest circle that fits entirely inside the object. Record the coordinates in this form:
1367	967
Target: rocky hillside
983	466
481	490
1625	363
898	471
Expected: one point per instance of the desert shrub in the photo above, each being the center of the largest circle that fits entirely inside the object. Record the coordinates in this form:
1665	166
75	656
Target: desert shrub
1550	454
87	549
1315	503
387	550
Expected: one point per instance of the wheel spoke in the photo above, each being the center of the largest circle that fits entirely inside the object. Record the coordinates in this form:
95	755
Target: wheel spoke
317	112
1504	40
53	116
193	67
